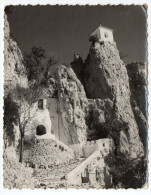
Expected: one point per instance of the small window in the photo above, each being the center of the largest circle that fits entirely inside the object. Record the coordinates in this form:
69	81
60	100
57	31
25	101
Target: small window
40	104
103	144
106	35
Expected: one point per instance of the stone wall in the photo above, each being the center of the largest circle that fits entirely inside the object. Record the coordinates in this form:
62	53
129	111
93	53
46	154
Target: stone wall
57	127
93	170
50	117
46	153
38	117
102	34
91	146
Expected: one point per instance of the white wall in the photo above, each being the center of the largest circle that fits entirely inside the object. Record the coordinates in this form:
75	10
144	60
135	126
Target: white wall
52	106
100	34
109	32
38	117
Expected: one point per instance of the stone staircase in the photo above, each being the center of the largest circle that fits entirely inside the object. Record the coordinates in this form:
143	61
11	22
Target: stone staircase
55	177
85	172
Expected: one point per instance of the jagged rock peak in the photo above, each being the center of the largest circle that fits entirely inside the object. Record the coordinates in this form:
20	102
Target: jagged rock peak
73	104
105	77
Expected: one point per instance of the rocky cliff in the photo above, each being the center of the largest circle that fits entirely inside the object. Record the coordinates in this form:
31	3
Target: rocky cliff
14	71
106	78
137	73
73	105
141	122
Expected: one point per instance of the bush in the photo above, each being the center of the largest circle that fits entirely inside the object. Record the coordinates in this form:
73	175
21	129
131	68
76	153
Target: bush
127	173
11	116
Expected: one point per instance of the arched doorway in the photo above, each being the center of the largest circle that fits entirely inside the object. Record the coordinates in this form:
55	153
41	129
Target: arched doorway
40	130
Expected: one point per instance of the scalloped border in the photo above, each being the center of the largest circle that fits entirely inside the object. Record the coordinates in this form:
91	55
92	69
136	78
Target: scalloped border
89	3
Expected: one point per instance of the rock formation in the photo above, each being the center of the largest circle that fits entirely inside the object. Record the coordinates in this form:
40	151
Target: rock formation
106	78
106	110
98	119
14	71
138	84
73	105
141	122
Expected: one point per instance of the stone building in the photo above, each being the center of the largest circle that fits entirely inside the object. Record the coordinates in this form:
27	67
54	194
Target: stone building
103	33
46	120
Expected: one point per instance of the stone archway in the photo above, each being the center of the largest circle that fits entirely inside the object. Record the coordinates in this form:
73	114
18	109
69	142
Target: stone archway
40	130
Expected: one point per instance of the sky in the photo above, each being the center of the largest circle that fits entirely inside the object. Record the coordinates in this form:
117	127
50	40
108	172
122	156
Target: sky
63	30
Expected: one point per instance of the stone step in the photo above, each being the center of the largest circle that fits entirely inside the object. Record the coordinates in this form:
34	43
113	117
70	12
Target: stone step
49	176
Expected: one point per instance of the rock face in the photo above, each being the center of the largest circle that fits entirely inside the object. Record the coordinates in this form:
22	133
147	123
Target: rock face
73	105
98	119
106	78
13	62
14	71
141	122
138	84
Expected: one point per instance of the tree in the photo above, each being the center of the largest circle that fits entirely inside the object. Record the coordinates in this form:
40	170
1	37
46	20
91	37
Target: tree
25	98
19	106
38	74
11	116
127	173
37	65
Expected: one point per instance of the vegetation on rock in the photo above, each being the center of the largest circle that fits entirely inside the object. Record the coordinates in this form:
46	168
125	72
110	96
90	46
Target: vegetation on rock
11	116
37	65
127	173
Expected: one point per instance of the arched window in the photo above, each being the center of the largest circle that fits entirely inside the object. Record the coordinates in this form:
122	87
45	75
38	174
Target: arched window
40	130
40	104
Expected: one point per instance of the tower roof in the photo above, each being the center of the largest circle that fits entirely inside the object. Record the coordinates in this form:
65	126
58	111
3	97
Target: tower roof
101	26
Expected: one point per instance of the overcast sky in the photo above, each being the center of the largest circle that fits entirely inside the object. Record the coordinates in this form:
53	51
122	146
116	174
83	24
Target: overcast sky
63	30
